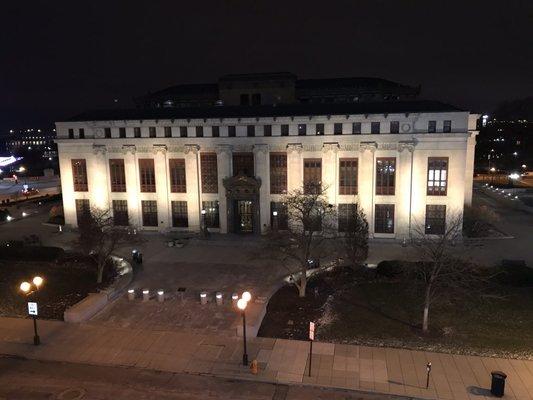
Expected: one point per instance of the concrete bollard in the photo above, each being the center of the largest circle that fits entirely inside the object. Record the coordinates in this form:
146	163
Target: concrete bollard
146	295
131	294
203	298
234	299
160	296
220	301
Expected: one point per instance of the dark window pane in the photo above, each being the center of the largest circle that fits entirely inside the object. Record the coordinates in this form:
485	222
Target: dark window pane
267	130
120	213
319	129
232	132
177	175
432	126
152	131
302	129
348	176
312	175
384	218
199	131
71	133
147	175
435	220
245	99
337	129
208	165
122	132
385	176
250	130
180	216
117	174
395	127
256	99
137	132
356	128
375	127
447	127
79	175
149	212
284	130
346	213
243	163
82	133
282	215
183	131
168	131
211	214
216	131
278	173
107	133
83	210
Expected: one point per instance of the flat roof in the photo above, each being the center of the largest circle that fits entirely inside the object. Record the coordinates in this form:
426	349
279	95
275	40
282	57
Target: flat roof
288	110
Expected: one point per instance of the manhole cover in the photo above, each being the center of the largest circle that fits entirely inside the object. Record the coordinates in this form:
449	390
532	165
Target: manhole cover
71	394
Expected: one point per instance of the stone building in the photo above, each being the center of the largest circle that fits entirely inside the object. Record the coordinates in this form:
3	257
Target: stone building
403	162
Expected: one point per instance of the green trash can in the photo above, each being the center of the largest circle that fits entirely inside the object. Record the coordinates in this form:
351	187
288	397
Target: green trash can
497	386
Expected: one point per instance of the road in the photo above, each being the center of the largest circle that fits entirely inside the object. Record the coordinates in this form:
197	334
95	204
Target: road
38	380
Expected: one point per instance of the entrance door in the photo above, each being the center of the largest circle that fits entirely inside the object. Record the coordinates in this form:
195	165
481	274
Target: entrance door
244	216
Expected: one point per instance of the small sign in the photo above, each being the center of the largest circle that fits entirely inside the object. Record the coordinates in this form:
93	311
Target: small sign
32	308
311	331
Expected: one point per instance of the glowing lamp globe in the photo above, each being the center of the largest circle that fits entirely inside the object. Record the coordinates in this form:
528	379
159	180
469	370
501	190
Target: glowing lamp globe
241	304
25	287
246	296
38	281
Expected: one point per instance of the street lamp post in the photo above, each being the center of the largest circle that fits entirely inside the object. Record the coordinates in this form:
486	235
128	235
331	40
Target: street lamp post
275	221
241	304
28	289
204	233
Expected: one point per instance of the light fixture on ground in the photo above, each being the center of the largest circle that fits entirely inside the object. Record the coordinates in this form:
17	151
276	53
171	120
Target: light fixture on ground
29	290
242	303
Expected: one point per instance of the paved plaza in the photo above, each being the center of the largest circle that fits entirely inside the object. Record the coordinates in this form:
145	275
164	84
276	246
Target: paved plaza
384	370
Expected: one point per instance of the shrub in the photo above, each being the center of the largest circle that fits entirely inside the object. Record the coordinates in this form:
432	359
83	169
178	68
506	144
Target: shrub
390	268
478	221
515	274
30	253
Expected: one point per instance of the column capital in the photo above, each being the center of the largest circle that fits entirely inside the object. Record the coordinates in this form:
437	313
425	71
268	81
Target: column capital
260	148
370	146
330	147
409	146
295	147
224	149
99	149
129	148
191	148
159	148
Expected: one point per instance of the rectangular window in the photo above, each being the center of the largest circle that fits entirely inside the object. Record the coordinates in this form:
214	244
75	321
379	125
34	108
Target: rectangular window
152	131
79	175
168	131
384	218
278	173
232	132
71	133
435	220
117	175
284	130
122	133
447	127
83	209
395	127
180	216
267	129
245	99
302	129
432	126
348	176
282	215
82	133
208	165
120	213
149	212
437	176
337	129
375	127
385	176
256	99
137	132
250	130
199	131
312	175
176	168
346	213
319	128
147	175
107	133
183	131
215	131
243	163
356	128
211	214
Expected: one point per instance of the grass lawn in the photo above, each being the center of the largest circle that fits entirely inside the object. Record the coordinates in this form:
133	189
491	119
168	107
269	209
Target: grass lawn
67	281
387	312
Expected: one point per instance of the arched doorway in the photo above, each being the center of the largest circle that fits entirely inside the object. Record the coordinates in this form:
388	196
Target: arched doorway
242	196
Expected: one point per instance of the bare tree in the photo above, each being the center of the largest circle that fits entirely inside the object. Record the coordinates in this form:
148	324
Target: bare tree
441	270
310	230
354	242
99	237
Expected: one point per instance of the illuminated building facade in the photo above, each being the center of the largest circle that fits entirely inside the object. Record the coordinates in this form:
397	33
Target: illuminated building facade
403	162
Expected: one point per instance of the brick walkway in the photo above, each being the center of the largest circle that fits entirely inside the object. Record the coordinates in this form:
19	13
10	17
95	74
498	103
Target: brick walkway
382	370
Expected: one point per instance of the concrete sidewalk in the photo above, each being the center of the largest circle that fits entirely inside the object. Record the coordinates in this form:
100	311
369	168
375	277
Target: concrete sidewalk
382	370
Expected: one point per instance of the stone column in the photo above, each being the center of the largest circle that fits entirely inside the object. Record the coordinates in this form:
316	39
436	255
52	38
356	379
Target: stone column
366	181
330	171
98	178
404	189
262	171
224	171
132	184
469	167
161	184
67	184
192	177
294	166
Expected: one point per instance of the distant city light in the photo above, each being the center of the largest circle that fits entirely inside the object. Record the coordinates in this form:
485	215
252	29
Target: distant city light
523	166
514	175
9	218
492	169
515	154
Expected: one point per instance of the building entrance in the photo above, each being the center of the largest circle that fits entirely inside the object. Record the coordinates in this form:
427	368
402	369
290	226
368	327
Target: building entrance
244	214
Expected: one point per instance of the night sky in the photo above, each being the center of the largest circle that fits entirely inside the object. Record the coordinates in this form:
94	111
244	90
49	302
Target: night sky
58	58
